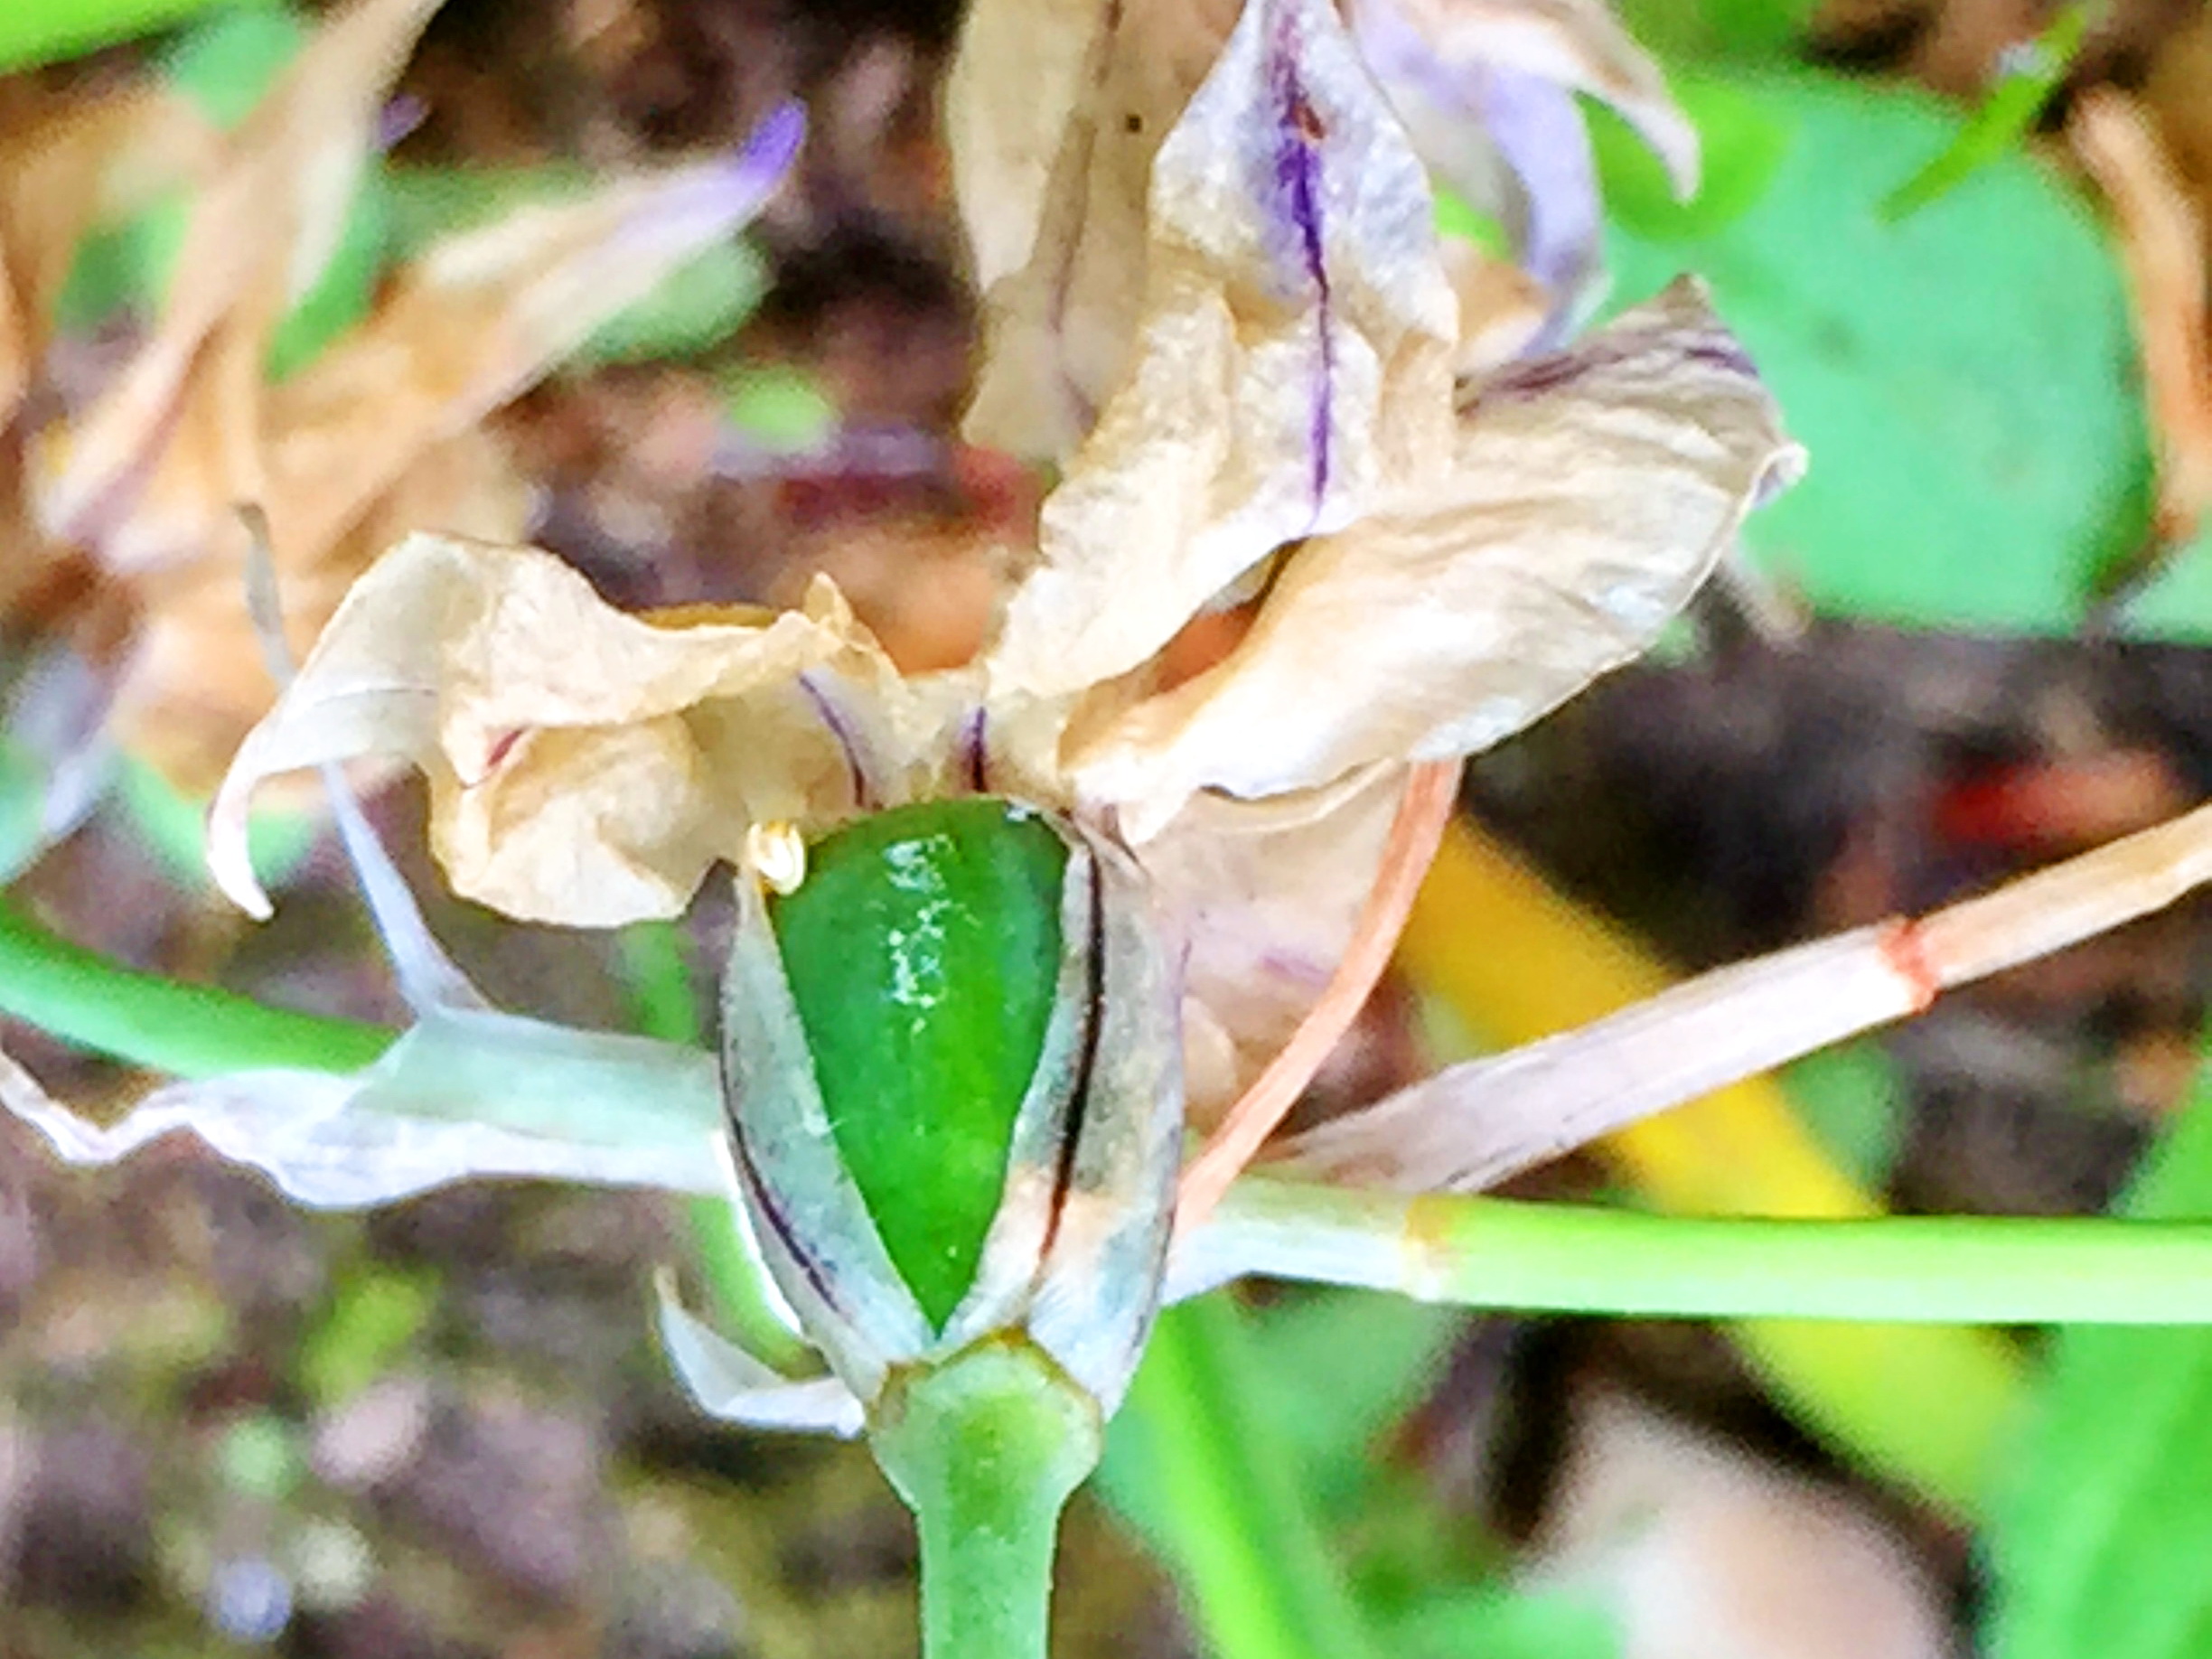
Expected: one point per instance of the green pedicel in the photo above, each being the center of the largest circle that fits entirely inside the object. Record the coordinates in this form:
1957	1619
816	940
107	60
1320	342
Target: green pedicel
923	951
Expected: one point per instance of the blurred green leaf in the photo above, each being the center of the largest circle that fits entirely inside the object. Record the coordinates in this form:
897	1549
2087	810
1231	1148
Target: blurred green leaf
1249	1458
2101	1534
1742	138
1961	380
1196	1464
225	63
782	409
1504	1624
2025	84
1457	215
2175	600
1853	1098
1734	30
22	801
373	1314
36	32
260	1457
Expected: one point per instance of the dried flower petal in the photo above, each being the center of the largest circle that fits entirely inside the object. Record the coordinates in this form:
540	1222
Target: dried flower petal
180	425
478	317
1429	54
91	162
586	766
1292	370
1593	493
1054	116
1264	895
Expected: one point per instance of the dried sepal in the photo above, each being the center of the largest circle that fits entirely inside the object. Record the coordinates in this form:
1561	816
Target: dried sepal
586	766
1591	494
1291	371
730	1383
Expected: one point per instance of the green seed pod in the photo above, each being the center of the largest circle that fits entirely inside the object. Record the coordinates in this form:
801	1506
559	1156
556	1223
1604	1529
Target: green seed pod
951	1058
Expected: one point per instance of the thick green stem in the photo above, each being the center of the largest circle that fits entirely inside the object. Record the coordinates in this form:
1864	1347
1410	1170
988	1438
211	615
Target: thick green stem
985	1450
187	1030
1494	1252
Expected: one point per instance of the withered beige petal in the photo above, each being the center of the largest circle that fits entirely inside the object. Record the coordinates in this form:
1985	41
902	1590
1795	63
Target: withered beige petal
1263	895
479	317
1593	492
1427	51
586	766
259	234
1054	115
88	162
1291	371
192	683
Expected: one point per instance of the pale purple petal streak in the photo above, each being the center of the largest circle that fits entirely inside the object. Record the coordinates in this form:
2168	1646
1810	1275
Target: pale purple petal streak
1295	197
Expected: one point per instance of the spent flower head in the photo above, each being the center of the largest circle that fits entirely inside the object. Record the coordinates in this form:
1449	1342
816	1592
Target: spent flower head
1302	423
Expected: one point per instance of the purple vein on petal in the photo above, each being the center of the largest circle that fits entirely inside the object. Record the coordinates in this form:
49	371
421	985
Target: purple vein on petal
1296	185
975	761
840	728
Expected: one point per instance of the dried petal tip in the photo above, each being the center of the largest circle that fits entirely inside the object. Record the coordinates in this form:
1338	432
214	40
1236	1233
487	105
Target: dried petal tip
950	1067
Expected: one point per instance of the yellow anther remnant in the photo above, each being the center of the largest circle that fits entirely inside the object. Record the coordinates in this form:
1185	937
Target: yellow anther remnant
777	854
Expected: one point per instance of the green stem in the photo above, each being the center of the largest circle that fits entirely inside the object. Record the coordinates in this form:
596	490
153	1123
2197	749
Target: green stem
1493	1252
187	1030
1235	1523
985	1450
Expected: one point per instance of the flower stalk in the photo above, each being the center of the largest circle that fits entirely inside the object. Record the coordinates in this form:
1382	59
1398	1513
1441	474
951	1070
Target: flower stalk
986	1449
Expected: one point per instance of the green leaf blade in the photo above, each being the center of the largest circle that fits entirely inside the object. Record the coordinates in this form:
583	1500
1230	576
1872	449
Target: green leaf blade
2101	1533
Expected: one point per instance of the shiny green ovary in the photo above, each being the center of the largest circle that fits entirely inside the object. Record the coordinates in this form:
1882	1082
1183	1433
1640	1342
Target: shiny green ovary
923	951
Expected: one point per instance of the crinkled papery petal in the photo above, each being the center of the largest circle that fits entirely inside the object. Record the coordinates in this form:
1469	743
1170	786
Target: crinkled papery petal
586	766
1292	369
481	316
1594	491
1262	898
1054	114
186	411
461	1096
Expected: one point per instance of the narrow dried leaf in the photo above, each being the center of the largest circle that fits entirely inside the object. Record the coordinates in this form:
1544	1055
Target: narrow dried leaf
461	1096
1593	492
586	766
1292	369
